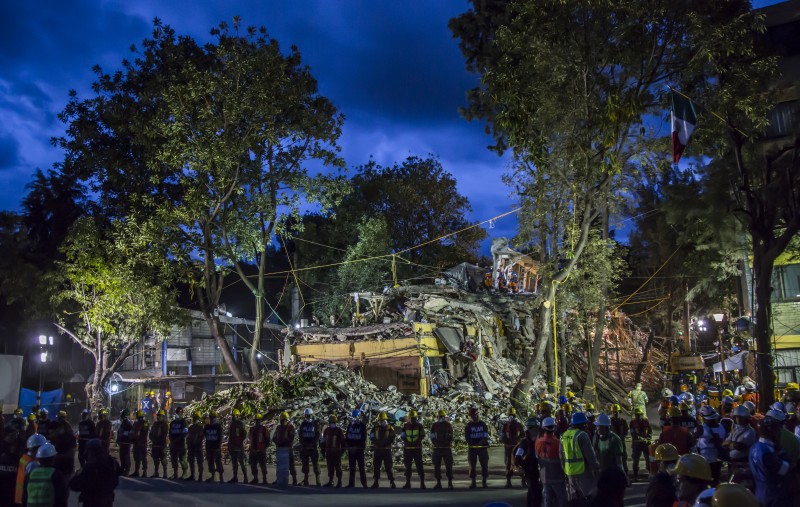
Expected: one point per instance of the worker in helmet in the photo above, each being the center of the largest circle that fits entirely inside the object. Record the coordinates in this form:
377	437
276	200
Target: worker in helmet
771	468
87	430
356	442
676	435
283	436
709	440
333	446
104	429
213	434
139	436
147	405
578	458
638	398
733	495
641	435
178	429
411	436
195	438
159	433
664	405
236	436
442	442
259	441
44	422
32	444
17	423
309	435
551	473
62	436
476	433
156	398
168	403
661	491
46	485
607	444
525	458
510	436
739	441
124	440
620	426
33	426
694	477
382	437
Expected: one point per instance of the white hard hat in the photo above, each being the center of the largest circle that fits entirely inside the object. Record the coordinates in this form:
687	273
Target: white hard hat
548	423
308	411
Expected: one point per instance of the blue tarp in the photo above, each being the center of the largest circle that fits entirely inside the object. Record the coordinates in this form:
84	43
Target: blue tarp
51	400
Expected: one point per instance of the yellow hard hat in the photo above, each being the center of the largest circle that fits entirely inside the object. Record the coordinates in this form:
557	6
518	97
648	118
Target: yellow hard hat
792	386
236	411
383	417
139	413
589	406
727	392
615	407
512	411
729	494
213	414
413	413
103	411
638	411
675	412
567	408
152	393
442	413
197	415
161	412
570	394
169	393
684	387
284	416
667	452
31	417
693	465
258	417
62	413
332	419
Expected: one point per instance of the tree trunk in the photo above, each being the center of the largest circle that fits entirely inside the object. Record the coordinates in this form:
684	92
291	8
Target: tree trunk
225	349
590	388
562	361
256	345
534	362
763	264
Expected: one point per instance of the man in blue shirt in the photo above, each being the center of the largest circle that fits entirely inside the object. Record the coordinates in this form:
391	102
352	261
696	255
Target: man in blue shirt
768	463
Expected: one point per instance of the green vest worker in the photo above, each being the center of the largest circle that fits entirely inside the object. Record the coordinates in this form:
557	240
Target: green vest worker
578	458
46	486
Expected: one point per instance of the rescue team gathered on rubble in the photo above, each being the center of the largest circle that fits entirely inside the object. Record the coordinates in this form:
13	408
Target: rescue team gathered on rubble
568	452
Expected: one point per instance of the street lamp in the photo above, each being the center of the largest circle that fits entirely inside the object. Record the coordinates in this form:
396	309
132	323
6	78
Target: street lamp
719	318
45	343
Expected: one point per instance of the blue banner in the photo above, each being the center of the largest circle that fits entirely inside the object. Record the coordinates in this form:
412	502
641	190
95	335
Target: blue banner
51	400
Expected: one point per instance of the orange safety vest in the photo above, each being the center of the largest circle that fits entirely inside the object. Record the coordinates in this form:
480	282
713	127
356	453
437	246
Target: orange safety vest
20	488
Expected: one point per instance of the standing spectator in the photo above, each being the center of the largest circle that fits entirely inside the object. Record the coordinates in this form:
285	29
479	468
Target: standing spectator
333	448
356	439
412	435
259	441
236	435
551	472
525	458
641	433
477	436
578	458
442	442
98	479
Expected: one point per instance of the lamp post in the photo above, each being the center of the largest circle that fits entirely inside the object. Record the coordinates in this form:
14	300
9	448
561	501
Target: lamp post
45	345
719	318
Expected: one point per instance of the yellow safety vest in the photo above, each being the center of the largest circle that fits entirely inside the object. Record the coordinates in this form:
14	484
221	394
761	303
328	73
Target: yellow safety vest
573	456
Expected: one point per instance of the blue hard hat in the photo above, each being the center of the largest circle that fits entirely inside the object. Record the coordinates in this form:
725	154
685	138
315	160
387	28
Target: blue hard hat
562	399
356	413
674	399
578	418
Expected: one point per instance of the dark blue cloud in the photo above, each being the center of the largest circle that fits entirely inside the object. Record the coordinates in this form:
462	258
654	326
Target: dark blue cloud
9	152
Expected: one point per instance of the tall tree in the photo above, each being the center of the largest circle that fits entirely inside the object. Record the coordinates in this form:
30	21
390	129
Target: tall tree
108	294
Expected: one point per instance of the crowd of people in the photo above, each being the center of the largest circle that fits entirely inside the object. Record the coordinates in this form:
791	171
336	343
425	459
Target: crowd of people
567	451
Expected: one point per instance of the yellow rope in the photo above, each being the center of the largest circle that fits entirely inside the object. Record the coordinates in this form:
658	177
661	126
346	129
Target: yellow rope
293	271
646	281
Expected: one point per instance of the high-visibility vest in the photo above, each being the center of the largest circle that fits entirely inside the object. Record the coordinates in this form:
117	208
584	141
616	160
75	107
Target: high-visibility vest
573	456
23	464
40	487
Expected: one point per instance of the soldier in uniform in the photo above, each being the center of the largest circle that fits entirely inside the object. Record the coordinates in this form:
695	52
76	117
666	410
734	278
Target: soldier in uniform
284	439
309	445
412	435
177	444
382	437
476	434
333	448
213	434
158	440
356	440
86	432
124	438
194	446
139	434
442	442
259	441
236	435
510	437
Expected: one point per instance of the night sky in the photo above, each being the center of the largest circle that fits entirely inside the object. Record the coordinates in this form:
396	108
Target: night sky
391	67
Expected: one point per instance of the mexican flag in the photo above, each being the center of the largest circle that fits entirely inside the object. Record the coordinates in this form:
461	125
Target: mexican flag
684	120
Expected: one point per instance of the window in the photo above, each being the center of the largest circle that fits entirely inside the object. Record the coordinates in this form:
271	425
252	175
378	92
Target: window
786	282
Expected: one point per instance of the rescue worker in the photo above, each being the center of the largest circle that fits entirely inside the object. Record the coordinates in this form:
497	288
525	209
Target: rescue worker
621	428
750	393
236	435
33	426
139	436
510	437
155	403
578	458
411	436
86	432
259	441
34	442
309	435
382	437
676	435
62	437
661	491
158	443
641	434
684	419
213	435
476	433
663	407
46	486
356	440
726	405
739	441
194	446
178	429
733	495
710	437
694	477
791	398
590	418
147	405
103	430
283	437
43	420
333	447
769	466
551	473
124	441
168	403
607	444
666	456
525	458
96	481
442	443
638	398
